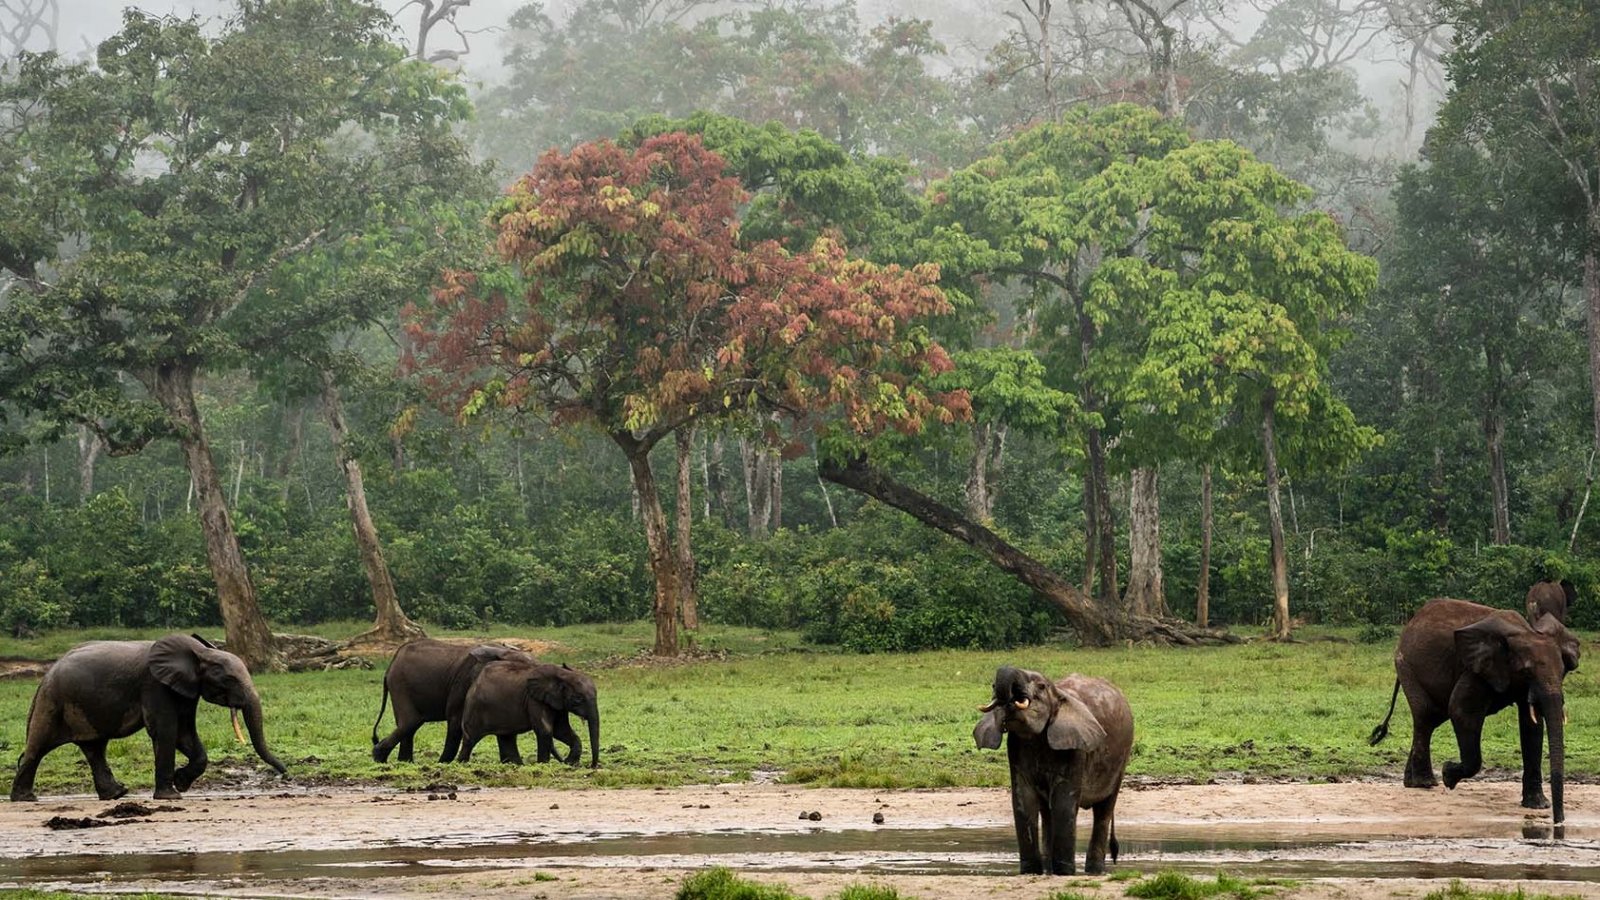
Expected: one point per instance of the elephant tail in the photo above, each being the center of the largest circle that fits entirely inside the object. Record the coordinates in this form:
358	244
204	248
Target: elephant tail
382	705
1113	847
1382	731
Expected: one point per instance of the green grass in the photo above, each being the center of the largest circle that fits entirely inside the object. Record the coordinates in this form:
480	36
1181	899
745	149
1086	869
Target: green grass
827	718
1459	891
722	884
1178	886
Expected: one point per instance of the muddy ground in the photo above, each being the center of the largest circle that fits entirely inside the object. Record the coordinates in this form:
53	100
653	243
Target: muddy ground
1336	840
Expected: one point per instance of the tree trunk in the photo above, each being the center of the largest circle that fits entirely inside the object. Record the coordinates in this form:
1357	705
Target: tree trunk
249	638
718	488
296	424
663	557
1146	595
774	490
1591	293
1095	624
1202	602
90	447
1105	526
1091	519
689	606
1438	497
979	505
391	622
1280	554
758	484
1494	433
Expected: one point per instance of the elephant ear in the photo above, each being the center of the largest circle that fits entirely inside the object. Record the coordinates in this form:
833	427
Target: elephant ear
1569	644
203	641
1074	726
987	733
552	690
173	663
488	653
1483	650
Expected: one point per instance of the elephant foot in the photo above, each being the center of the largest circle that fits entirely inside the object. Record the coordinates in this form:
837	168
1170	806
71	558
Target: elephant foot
111	792
379	754
1535	801
1418	782
24	797
168	793
183	782
1033	868
1453	774
1090	867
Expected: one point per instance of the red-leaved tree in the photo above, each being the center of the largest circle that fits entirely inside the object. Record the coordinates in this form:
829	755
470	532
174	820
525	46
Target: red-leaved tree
620	295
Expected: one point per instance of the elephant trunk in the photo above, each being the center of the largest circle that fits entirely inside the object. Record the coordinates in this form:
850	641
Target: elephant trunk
593	718
258	736
1555	721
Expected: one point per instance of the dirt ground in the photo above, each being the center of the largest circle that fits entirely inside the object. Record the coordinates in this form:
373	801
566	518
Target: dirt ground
337	843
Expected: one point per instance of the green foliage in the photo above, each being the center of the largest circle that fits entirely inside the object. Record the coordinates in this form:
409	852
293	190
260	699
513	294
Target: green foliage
1459	891
869	892
721	884
1172	885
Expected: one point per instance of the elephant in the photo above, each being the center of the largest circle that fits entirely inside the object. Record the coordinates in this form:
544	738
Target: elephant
1462	662
429	680
103	690
1068	749
1553	597
510	697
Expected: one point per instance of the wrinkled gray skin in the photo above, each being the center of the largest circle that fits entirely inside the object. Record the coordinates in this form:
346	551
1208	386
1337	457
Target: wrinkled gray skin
1551	597
1462	662
1068	747
105	690
511	697
429	680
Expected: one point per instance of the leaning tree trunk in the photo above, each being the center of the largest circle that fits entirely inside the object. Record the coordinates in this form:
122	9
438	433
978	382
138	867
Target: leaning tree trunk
89	448
1280	554
249	638
391	623
1146	595
1202	600
663	556
689	607
1095	624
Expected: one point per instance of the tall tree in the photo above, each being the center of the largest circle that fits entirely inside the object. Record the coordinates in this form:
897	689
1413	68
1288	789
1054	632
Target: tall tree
188	173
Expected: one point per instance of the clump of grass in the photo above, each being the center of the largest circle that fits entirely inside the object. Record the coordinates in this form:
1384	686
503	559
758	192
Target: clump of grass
1459	891
721	884
1067	895
1171	885
870	892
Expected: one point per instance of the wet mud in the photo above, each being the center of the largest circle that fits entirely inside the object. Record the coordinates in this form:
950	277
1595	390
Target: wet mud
1352	840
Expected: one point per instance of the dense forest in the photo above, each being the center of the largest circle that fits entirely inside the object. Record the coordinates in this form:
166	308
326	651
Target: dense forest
1123	321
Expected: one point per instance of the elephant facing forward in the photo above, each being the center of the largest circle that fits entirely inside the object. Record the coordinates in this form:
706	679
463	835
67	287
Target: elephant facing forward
512	696
429	680
1462	662
1068	746
105	690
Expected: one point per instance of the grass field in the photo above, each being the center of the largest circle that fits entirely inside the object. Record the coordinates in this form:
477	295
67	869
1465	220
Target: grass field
895	720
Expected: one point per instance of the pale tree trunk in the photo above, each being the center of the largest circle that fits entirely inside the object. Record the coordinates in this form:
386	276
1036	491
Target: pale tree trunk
1591	294
1280	554
1202	603
1146	595
774	490
90	446
391	623
1091	521
663	557
249	638
1105	526
827	501
757	488
1439	505
296	422
1494	433
988	450
688	600
718	487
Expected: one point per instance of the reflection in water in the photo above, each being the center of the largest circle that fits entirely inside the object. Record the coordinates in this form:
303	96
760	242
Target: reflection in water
930	851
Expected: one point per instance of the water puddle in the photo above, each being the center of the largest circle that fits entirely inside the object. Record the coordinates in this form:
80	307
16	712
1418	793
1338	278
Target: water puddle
1257	851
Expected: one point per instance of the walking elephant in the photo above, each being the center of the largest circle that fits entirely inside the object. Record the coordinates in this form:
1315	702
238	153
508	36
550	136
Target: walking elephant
1463	662
513	696
428	680
1068	749
104	690
1553	597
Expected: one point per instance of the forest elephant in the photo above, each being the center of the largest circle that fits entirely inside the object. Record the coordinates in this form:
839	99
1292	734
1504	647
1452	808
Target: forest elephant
513	696
428	680
105	690
1553	597
1068	748
1462	662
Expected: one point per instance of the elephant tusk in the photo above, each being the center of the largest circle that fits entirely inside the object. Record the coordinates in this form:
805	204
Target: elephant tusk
1021	704
989	708
233	716
1533	714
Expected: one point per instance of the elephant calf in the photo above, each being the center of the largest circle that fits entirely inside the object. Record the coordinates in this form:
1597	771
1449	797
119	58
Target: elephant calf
105	690
429	680
1068	747
511	697
1551	597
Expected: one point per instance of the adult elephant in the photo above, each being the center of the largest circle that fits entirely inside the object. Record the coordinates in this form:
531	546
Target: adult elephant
1068	748
1551	597
429	680
1463	662
512	697
104	690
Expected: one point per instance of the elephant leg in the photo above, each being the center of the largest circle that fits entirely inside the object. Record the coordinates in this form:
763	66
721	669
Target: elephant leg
28	766
468	741
563	732
509	754
1100	838
1025	801
1531	737
1467	712
404	730
1419	765
546	745
106	786
452	741
195	752
1063	830
164	743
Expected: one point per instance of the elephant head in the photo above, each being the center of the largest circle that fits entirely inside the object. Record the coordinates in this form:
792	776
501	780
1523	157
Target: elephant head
1528	663
1027	704
193	668
566	689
